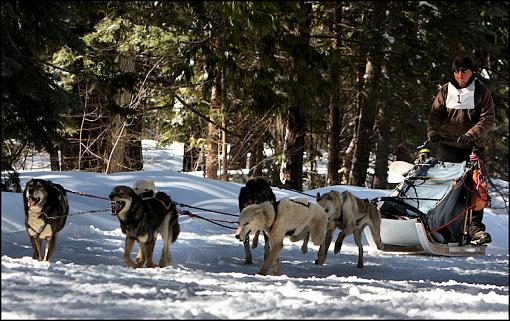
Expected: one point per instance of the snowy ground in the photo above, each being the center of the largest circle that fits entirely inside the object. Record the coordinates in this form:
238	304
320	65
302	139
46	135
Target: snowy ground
88	279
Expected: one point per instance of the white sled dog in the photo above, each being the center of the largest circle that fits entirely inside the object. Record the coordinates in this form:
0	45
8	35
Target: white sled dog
294	218
257	190
350	214
143	186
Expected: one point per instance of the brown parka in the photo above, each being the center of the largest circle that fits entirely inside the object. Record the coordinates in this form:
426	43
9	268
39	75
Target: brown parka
451	123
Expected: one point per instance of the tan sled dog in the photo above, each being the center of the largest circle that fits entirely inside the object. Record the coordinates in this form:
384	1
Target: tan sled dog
291	218
350	214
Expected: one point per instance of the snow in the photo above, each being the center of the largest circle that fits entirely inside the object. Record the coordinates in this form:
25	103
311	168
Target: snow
88	279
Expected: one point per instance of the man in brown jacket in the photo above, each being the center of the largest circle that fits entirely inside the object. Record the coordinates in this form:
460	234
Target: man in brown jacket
461	117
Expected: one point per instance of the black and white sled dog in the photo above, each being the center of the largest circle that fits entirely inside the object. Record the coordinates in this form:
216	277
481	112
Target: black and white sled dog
257	190
146	188
46	210
294	218
142	220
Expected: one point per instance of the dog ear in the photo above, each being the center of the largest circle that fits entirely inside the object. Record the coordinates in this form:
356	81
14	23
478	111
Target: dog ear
242	198
132	193
50	189
318	197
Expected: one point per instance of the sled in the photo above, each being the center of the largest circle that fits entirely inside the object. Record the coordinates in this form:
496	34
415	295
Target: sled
429	212
411	237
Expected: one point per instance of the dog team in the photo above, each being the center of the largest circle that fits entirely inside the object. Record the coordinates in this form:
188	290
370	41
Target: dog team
145	213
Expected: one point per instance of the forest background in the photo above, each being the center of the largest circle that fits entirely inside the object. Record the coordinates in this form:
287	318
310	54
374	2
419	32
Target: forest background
352	81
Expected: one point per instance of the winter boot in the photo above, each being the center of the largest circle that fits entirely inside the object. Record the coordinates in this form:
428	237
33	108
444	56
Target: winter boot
477	231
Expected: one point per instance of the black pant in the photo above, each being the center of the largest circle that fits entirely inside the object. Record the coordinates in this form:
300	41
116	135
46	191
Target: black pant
453	154
476	221
447	153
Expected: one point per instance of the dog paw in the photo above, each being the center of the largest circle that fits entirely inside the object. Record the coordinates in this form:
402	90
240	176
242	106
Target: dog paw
304	249
152	265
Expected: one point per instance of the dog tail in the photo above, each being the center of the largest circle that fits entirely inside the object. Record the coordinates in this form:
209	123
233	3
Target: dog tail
176	229
174	222
375	226
318	225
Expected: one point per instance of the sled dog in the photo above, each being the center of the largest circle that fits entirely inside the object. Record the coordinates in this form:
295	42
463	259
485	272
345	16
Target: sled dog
141	220
350	214
284	218
143	186
46	210
146	188
257	190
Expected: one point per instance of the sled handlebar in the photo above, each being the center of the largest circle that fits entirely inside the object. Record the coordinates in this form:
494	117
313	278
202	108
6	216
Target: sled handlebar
424	145
423	149
427	142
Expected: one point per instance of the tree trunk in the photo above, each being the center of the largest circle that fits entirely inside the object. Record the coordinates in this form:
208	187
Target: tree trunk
54	161
116	145
291	172
211	165
191	158
364	145
380	180
333	175
292	167
348	154
224	151
124	152
256	159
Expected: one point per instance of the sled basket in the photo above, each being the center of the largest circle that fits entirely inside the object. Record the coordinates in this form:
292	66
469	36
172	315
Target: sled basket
432	202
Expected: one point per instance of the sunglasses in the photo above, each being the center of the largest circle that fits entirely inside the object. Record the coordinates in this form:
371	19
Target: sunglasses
462	70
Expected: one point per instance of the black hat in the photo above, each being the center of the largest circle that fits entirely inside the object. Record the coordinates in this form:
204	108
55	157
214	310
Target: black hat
462	62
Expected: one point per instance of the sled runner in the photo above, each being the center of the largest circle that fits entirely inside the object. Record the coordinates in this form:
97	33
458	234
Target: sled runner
430	210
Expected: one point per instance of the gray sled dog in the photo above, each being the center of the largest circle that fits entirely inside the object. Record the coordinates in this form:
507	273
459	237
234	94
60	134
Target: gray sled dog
142	220
257	190
280	219
46	210
350	214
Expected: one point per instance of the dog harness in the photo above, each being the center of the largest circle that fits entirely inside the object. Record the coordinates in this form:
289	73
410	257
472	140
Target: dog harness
307	205
151	195
38	233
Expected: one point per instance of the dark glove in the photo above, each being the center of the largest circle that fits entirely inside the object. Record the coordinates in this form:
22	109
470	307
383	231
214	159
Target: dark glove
466	140
434	138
